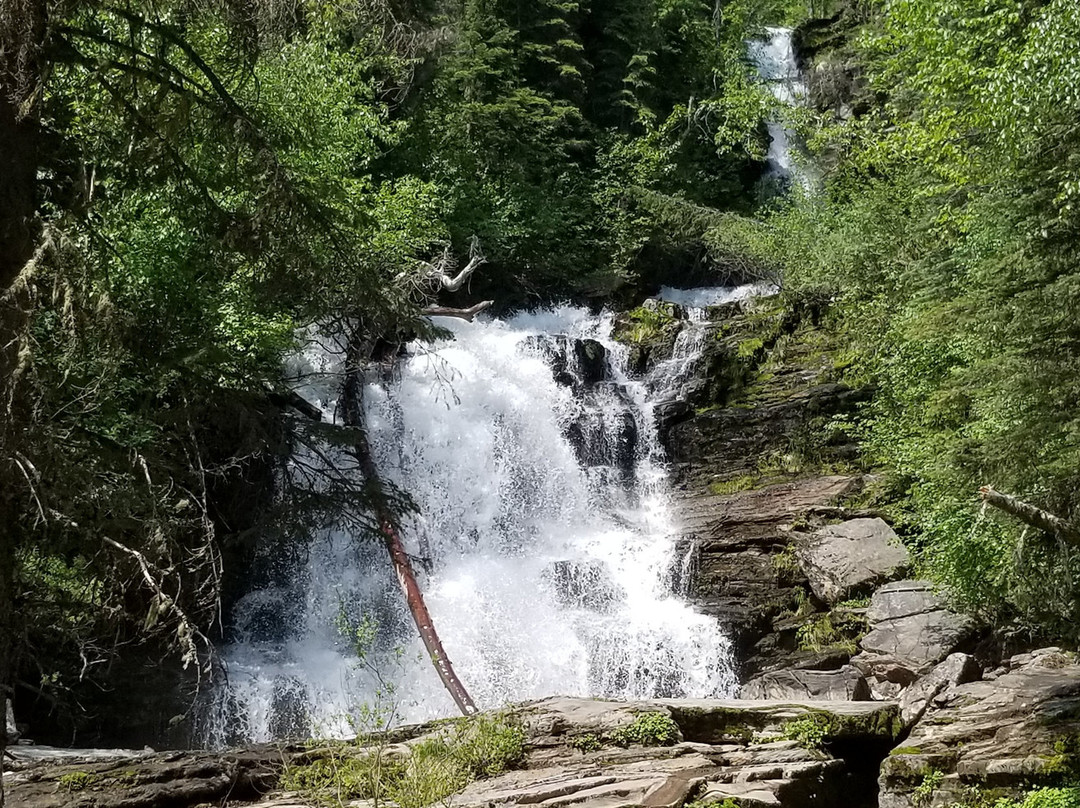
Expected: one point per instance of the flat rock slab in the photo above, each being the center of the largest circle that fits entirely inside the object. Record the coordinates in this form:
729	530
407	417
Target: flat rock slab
849	559
1010	733
732	747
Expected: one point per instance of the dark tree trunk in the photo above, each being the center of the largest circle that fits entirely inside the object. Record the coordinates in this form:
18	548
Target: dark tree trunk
352	415
22	31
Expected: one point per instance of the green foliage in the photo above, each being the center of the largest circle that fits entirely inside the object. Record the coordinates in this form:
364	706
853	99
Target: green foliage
648	729
744	482
810	732
587	742
786	564
822	632
214	182
924	792
77	781
945	228
436	766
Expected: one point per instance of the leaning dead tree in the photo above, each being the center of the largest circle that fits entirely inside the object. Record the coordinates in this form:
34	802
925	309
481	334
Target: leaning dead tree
353	417
423	288
1031	515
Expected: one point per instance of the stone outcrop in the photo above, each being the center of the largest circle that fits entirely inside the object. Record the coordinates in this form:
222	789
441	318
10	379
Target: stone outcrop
849	559
743	478
843	684
998	736
759	752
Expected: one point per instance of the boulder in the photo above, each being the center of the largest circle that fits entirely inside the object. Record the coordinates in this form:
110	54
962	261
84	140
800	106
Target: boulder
851	558
911	626
1003	736
574	362
844	684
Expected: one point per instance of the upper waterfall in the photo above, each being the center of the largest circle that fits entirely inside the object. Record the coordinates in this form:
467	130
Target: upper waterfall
776	63
544	522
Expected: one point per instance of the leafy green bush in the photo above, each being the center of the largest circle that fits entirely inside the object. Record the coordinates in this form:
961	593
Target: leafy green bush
648	729
810	732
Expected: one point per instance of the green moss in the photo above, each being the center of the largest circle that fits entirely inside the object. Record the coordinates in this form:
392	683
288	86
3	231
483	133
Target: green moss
906	750
77	781
744	482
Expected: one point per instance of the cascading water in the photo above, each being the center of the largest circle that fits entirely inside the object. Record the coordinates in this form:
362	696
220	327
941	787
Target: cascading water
543	520
776	64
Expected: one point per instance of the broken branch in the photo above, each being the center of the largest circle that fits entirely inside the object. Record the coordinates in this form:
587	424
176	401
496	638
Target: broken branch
1030	514
464	314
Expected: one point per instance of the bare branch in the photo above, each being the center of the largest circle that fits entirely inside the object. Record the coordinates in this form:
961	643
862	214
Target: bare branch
186	632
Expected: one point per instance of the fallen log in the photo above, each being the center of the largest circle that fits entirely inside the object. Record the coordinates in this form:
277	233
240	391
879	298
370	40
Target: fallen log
1030	514
464	314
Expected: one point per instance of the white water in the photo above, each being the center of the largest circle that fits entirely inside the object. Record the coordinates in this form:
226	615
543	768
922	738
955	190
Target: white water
774	59
554	569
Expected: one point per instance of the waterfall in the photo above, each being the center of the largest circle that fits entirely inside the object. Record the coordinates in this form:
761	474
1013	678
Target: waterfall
544	521
776	64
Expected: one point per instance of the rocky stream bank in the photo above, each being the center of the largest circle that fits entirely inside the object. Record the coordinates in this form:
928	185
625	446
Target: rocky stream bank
860	685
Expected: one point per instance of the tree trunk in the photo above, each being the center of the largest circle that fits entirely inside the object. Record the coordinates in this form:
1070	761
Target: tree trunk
22	31
352	415
1025	512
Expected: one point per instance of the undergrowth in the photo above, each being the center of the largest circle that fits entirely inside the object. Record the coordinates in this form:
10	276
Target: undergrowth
436	767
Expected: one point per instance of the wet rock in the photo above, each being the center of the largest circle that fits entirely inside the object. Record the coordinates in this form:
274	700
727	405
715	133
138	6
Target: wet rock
736	536
604	432
579	363
583	585
844	684
575	756
849	559
1007	735
669	413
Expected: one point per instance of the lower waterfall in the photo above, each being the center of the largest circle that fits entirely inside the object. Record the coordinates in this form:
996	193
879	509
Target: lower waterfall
544	523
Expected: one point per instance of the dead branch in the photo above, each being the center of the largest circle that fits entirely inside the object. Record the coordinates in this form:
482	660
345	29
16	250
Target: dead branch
353	418
1030	514
186	632
464	314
